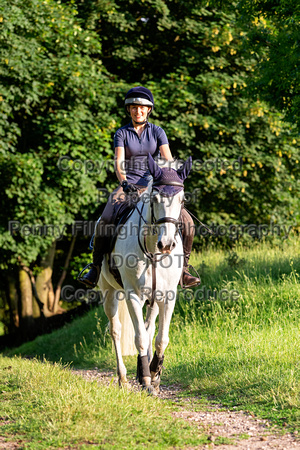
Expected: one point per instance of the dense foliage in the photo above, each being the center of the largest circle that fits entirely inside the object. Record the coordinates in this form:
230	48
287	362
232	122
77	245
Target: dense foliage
196	61
273	32
53	104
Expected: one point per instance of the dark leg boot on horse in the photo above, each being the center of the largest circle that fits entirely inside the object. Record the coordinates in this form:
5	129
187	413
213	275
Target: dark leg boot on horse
188	231
143	374
156	367
142	367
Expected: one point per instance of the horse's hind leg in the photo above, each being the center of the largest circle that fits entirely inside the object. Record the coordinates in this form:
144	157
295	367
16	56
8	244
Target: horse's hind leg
111	310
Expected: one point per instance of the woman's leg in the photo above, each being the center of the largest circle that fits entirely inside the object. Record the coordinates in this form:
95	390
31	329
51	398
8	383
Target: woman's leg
103	232
188	232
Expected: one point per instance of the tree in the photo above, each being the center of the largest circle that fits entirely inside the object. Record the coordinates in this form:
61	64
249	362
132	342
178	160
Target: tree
64	70
273	33
54	104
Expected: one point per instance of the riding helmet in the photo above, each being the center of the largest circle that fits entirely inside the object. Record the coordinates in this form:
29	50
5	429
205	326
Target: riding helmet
139	95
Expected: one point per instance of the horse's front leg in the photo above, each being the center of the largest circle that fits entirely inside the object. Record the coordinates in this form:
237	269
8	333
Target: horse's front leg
162	340
135	308
150	326
111	311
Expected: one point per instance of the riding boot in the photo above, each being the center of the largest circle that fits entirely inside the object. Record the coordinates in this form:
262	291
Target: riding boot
188	232
91	278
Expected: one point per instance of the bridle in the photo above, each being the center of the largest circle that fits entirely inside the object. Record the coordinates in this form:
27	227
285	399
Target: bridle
155	257
153	222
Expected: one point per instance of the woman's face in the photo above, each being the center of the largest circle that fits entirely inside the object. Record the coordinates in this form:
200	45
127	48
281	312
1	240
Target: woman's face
139	113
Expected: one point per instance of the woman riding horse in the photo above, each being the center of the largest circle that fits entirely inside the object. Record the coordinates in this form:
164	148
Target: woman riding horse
133	143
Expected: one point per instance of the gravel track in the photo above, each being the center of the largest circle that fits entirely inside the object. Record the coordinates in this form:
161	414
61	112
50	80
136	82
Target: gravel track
214	420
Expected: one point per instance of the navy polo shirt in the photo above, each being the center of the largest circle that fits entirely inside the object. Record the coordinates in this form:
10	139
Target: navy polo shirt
137	149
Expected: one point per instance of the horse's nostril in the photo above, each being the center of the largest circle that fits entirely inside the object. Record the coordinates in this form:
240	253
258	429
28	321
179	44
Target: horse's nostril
160	245
173	245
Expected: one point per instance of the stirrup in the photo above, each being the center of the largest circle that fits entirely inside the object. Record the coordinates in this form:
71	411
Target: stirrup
183	286
86	282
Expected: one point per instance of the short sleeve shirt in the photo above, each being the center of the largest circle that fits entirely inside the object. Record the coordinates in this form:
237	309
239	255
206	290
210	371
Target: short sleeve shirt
137	149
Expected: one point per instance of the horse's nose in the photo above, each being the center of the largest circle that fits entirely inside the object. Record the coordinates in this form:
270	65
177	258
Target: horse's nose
165	248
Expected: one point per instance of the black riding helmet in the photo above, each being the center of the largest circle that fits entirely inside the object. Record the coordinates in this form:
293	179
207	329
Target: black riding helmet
139	95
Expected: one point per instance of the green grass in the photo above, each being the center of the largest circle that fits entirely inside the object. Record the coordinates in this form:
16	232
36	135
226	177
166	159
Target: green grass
243	353
46	406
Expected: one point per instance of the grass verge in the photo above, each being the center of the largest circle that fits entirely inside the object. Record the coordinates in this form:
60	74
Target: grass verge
46	406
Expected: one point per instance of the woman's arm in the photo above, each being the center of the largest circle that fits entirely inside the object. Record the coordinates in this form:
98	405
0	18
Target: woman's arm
165	152
120	163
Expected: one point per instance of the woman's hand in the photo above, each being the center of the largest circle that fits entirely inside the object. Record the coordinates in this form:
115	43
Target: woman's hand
128	188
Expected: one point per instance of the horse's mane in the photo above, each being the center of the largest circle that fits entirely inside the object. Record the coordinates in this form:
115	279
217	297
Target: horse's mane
149	187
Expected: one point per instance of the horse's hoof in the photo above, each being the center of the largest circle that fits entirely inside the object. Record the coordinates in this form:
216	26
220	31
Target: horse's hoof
156	388
150	390
123	382
156	382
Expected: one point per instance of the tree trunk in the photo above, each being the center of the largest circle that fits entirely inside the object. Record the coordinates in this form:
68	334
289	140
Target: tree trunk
56	297
26	321
127	335
12	300
44	280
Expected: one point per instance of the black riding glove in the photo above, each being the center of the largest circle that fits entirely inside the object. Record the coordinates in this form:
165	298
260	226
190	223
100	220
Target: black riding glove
128	188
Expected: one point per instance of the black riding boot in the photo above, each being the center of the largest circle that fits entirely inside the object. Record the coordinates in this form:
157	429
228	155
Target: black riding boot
101	247
91	278
188	230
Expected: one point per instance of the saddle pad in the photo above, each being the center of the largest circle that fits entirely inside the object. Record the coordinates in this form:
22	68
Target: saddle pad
121	218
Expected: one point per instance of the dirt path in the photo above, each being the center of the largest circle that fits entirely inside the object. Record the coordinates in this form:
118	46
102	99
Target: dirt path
8	445
214	420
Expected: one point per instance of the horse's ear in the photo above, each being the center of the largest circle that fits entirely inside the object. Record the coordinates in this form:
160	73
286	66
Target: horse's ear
154	168
185	169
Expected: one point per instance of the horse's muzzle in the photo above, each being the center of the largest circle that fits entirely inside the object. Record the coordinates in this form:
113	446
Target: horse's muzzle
165	248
